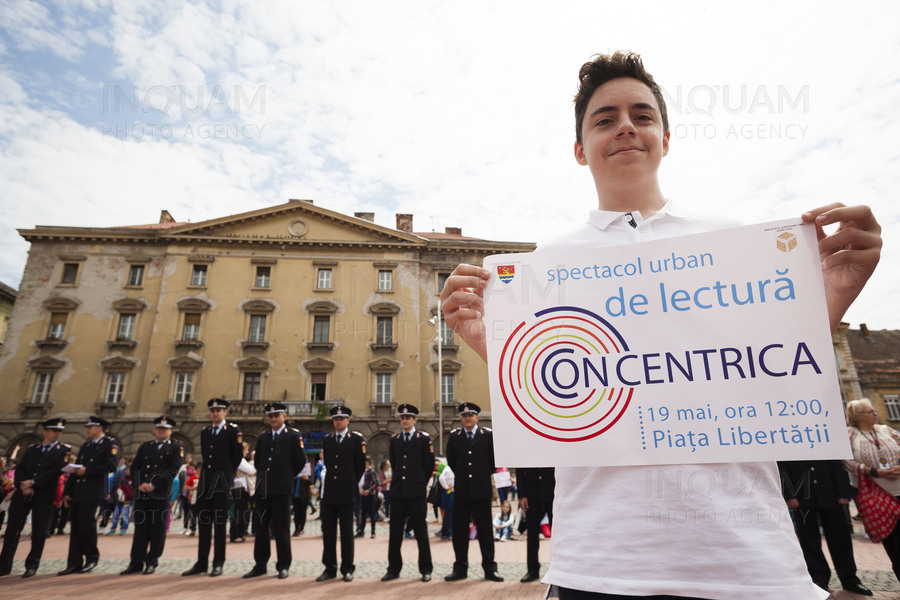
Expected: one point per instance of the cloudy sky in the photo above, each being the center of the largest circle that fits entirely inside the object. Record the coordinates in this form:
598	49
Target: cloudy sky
457	112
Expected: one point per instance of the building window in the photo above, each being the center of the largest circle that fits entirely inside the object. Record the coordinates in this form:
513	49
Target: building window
57	326
198	275
184	381
448	388
323	281
385	280
321	328
892	403
252	382
69	274
383	386
384	331
191	327
126	327
263	277
441	280
317	387
257	329
42	383
446	334
114	386
136	275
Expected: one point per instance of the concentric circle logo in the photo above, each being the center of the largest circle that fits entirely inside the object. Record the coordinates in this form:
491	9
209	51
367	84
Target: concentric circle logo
550	379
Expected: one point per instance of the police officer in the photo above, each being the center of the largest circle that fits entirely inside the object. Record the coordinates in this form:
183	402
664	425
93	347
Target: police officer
34	490
412	460
470	455
536	499
153	470
345	461
279	458
85	490
220	444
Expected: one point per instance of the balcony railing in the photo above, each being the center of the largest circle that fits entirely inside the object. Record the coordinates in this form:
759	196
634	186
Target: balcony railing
257	408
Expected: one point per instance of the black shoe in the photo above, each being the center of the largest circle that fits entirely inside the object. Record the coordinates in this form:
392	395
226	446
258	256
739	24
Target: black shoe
530	576
283	573
296	533
216	571
359	534
88	567
195	570
254	572
390	576
132	568
455	576
858	588
149	569
32	572
5	572
493	576
348	577
426	577
69	571
325	576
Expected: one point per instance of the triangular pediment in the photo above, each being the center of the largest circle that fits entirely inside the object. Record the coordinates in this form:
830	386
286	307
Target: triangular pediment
294	222
118	363
318	364
253	364
384	364
46	363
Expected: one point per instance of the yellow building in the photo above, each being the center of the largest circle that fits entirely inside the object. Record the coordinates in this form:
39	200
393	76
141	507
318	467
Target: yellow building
7	300
293	303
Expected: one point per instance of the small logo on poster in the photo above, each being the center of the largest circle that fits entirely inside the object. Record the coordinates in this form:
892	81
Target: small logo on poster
506	272
786	242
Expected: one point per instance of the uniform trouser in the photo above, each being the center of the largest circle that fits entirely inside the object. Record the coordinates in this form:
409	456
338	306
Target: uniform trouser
83	537
463	512
837	536
331	514
239	512
415	509
272	514
150	519
212	513
40	523
300	505
533	516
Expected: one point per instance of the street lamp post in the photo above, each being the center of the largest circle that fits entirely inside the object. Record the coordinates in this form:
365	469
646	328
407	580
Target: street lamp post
436	322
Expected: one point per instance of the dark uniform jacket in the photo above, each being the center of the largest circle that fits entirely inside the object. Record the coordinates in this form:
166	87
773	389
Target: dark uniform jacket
99	459
536	483
156	465
344	465
278	461
412	464
815	483
44	468
472	464
222	453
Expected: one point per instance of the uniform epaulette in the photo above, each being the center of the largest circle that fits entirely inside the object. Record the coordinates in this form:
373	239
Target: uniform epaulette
36	444
456	430
232	425
67	447
425	433
488	429
397	435
294	430
356	433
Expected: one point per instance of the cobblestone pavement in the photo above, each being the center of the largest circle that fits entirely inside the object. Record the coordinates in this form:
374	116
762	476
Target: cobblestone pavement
371	564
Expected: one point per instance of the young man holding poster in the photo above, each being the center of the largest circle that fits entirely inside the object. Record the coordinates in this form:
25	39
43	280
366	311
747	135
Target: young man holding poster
615	531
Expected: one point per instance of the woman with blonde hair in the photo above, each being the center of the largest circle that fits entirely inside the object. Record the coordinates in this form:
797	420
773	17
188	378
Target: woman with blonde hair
876	455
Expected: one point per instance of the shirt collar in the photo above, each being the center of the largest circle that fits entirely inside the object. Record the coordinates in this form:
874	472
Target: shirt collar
280	430
474	430
603	219
412	432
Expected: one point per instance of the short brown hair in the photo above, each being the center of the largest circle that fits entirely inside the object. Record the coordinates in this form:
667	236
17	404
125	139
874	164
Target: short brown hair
606	67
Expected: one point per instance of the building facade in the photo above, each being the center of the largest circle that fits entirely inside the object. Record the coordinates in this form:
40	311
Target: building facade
293	303
876	362
7	300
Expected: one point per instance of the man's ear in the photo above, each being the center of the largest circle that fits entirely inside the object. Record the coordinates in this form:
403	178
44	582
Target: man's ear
579	153
666	143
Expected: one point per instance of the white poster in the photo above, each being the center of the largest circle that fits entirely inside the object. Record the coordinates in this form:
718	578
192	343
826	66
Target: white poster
705	348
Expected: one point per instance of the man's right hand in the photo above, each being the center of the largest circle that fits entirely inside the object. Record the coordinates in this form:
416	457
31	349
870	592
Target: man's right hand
462	302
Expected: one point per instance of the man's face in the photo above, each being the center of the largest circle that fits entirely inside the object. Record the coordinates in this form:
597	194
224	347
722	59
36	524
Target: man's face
51	436
340	423
93	431
276	420
622	135
162	433
469	420
407	422
217	415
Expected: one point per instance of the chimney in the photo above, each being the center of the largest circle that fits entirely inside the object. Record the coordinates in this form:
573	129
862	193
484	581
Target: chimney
453	230
166	217
365	216
404	222
864	330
